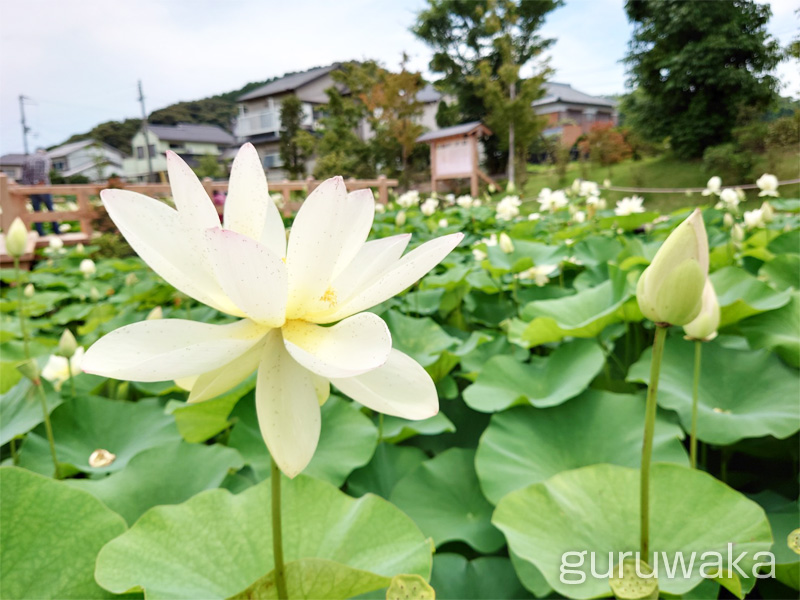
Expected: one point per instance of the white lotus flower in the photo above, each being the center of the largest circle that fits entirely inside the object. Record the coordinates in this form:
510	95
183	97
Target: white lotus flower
753	219
629	206
429	207
409	199
284	294
464	201
553	201
598	203
579	216
713	186
58	368
443	223
478	254
380	208
538	274
589	188
508	208
450	199
768	184
729	199
87	267
505	243
534	216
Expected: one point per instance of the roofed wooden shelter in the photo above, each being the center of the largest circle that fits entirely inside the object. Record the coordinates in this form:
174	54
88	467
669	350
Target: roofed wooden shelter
454	154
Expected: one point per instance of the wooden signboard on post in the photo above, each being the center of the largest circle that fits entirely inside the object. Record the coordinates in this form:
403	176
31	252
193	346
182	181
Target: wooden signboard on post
454	154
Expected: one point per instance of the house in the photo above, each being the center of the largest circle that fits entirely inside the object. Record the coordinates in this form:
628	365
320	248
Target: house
11	165
259	119
571	113
189	141
94	160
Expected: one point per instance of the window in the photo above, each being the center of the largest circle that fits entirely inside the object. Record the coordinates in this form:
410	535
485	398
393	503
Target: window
139	152
272	161
151	150
60	165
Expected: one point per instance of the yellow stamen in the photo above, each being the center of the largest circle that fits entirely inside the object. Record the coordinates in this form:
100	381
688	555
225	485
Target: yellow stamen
329	296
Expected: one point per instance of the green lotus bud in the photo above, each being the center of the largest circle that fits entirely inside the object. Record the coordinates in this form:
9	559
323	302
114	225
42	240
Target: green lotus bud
737	233
670	290
400	219
505	243
94	295
29	290
131	279
156	313
705	325
767	212
67	344
16	238
727	220
511	188
29	369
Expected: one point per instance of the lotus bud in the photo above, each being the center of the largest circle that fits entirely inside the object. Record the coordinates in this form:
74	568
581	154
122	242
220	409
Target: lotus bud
88	267
67	344
767	212
29	290
511	188
131	279
400	219
155	314
670	290
492	188
80	248
121	393
705	325
505	243
737	233
443	223
17	238
56	243
94	295
727	220
30	369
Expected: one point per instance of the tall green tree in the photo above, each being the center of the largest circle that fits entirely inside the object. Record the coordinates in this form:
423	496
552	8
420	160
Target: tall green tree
696	66
340	151
297	144
463	35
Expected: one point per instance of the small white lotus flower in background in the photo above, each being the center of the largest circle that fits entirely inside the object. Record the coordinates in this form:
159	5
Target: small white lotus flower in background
713	186
56	243
597	203
553	201
754	219
589	188
539	274
380	208
705	325
576	185
534	216
450	199
728	220
492	188
478	254
729	199
737	233
464	201
768	184
64	228
606	183
429	207
400	218
155	314
29	290
80	248
409	199
767	212
505	243
299	303
670	290
278	200
508	208
476	203
490	241
16	238
579	216
87	267
443	223
57	370
629	206
511	188
131	279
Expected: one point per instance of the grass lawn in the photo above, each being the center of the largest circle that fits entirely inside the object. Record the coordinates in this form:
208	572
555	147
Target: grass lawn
659	172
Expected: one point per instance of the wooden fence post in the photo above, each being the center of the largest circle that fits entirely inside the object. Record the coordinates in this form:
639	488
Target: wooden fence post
86	212
12	208
383	190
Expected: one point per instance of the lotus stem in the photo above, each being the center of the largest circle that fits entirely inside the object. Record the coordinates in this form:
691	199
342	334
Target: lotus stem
647	445
277	535
48	428
70	377
21	307
698	350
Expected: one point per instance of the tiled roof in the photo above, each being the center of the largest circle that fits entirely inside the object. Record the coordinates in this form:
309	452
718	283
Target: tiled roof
186	132
288	83
563	92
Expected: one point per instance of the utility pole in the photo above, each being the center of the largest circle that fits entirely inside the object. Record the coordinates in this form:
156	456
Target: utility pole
146	136
511	153
25	128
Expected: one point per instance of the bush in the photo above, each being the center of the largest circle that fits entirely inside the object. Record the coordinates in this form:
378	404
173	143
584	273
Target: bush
728	161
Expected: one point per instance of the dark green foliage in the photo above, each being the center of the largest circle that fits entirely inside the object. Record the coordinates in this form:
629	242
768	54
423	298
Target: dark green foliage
695	66
340	150
297	144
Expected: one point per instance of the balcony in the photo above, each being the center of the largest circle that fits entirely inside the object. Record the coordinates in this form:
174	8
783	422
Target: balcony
267	121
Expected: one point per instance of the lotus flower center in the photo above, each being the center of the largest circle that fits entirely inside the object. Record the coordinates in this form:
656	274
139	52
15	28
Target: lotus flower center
329	296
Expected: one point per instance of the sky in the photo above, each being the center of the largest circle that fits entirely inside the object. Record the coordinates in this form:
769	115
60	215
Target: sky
78	61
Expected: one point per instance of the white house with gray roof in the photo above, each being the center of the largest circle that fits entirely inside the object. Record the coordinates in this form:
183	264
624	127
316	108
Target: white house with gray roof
571	113
189	141
92	159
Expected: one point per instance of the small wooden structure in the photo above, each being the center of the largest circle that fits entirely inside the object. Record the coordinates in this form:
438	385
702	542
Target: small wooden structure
14	199
454	154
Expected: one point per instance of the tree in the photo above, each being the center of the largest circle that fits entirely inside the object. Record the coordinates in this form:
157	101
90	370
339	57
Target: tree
605	145
297	144
208	166
340	151
462	32
695	66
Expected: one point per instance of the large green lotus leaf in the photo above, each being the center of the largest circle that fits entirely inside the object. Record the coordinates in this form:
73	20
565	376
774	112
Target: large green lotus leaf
782	272
316	579
456	578
741	295
777	330
527	445
422	339
21	408
217	544
524	255
627	222
596	509
786	243
167	474
444	498
50	535
545	381
388	466
597	250
347	441
742	394
200	421
395	429
88	423
784	518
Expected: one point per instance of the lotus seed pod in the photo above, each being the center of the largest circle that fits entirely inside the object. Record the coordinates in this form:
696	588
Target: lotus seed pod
630	581
16	238
67	344
670	290
29	290
506	245
705	325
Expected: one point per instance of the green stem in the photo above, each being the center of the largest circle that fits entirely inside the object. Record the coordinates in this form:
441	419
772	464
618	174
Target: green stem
698	350
380	427
48	428
14	455
21	306
71	379
647	445
277	535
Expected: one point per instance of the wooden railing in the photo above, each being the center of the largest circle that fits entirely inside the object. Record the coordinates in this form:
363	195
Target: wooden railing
14	198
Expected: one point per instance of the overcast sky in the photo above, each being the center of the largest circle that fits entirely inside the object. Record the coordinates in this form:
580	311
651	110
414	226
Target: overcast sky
78	61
